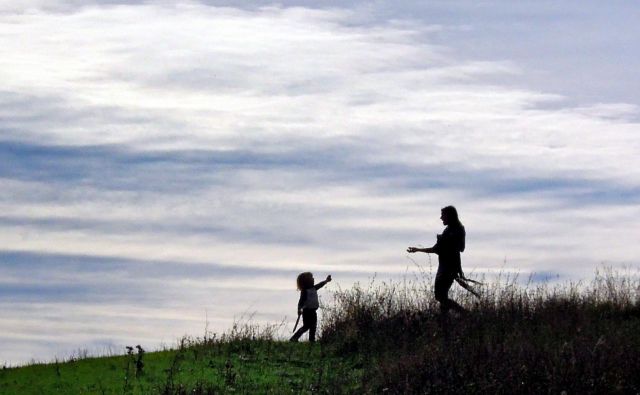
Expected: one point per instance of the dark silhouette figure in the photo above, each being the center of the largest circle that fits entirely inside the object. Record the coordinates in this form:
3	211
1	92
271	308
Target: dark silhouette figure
308	305
448	246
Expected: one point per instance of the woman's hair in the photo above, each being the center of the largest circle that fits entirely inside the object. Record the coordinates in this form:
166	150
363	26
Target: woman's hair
304	280
452	215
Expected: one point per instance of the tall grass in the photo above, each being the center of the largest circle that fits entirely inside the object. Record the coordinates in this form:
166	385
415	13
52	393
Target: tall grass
516	338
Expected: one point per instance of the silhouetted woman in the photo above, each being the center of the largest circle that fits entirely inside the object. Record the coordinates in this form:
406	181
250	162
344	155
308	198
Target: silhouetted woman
448	246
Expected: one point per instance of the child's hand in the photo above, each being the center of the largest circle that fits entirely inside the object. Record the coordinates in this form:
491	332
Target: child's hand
328	278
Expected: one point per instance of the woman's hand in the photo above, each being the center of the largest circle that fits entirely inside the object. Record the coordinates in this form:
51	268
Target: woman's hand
328	278
411	250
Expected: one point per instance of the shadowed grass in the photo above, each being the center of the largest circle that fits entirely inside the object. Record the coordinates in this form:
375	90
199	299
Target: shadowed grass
514	339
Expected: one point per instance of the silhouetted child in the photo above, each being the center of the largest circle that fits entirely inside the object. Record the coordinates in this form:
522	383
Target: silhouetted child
308	305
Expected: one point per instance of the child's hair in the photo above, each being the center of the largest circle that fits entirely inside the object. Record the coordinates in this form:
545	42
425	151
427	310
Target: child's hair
304	280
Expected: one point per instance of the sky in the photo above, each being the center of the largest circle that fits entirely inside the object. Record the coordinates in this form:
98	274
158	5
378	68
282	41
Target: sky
169	167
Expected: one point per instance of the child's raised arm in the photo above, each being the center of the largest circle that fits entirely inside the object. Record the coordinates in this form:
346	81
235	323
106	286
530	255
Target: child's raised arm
323	283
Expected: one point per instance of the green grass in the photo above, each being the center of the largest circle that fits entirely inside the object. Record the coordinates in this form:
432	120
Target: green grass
199	367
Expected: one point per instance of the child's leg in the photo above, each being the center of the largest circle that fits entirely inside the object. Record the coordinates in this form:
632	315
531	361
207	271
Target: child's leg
299	333
309	323
303	328
312	322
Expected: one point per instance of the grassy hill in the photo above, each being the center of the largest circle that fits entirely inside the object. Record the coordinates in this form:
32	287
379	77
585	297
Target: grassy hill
390	338
212	367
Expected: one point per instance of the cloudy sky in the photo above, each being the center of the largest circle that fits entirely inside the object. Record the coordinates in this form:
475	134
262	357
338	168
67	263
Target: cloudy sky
168	164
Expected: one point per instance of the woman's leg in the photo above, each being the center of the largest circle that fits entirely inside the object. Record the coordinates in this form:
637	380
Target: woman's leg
442	285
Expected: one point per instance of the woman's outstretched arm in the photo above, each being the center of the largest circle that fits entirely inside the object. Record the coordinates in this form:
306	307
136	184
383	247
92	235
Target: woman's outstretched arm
429	250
